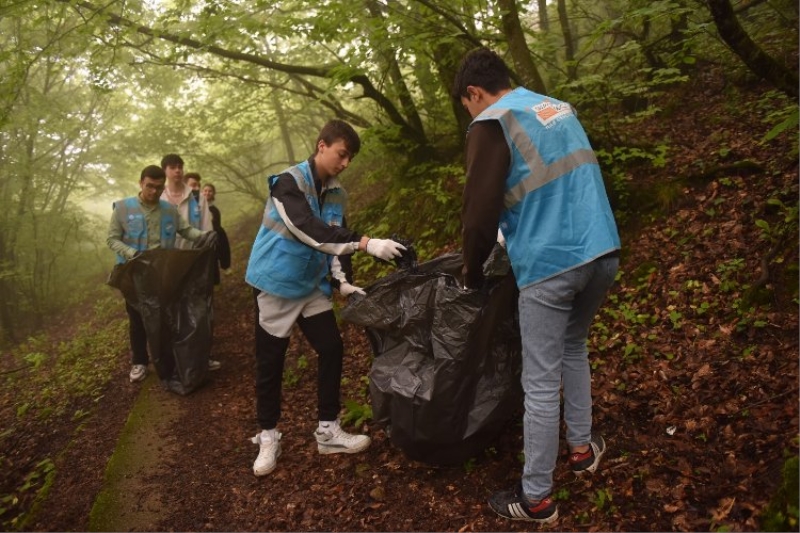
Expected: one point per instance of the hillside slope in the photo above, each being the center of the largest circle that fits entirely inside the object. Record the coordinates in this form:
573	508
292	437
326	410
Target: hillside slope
695	382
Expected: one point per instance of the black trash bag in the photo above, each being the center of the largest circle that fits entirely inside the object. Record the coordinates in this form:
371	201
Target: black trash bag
446	374
172	290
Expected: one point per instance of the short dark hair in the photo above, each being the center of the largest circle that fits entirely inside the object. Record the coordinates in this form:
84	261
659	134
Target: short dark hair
336	130
192	175
171	160
153	172
210	186
481	68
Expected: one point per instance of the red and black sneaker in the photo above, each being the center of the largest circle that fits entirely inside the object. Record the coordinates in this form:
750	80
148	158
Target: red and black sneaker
513	505
589	460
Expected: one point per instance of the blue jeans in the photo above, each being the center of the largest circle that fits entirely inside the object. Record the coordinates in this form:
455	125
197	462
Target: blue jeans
554	317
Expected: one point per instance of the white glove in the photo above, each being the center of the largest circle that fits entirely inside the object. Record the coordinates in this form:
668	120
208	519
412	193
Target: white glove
385	249
346	289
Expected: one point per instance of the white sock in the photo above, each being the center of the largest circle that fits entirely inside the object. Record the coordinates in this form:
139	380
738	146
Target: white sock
327	425
268	435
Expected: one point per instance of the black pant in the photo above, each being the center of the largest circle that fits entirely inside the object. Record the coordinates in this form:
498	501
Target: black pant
138	336
323	335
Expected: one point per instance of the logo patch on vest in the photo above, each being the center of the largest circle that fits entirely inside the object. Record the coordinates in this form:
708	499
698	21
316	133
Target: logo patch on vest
549	113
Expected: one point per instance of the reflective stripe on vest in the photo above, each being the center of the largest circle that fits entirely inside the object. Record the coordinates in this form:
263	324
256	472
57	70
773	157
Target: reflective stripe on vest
194	212
539	173
557	214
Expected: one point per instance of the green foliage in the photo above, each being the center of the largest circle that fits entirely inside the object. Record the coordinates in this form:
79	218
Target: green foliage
78	369
603	499
76	373
35	358
619	164
292	376
37	482
635	315
785	226
425	207
625	155
788	124
782	512
784	115
561	494
356	413
85	105
469	465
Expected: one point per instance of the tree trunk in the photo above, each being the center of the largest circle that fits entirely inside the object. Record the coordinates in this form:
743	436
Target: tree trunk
544	22
526	70
753	56
283	125
569	47
447	58
9	299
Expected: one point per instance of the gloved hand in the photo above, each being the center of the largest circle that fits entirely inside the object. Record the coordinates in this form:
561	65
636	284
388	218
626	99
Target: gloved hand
385	249
346	289
207	239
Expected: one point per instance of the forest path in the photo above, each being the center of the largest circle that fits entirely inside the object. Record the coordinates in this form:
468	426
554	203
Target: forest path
129	500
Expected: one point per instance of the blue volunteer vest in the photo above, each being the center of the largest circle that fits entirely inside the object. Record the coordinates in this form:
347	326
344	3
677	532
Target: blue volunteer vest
280	264
557	215
130	215
194	212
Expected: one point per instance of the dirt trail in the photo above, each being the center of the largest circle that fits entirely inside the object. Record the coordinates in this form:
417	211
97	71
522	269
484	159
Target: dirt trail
130	500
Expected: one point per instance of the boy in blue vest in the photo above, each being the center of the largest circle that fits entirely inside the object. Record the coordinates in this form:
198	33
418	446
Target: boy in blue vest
532	173
140	223
301	251
192	207
177	192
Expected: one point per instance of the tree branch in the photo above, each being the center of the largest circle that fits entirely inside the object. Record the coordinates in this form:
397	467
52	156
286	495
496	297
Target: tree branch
359	79
751	54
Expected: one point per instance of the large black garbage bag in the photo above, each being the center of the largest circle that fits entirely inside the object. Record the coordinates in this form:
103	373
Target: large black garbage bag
446	373
172	290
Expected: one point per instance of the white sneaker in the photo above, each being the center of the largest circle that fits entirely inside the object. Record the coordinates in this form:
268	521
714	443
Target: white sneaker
213	364
333	439
268	454
138	373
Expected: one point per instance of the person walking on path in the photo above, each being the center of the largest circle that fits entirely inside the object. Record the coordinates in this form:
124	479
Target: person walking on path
192	180
179	194
209	192
532	173
140	223
191	206
300	253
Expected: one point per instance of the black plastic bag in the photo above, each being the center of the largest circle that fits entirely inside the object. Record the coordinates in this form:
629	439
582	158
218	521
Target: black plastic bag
446	373
172	291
